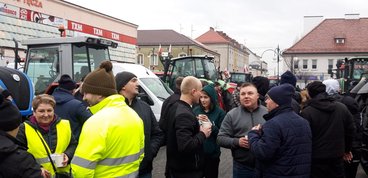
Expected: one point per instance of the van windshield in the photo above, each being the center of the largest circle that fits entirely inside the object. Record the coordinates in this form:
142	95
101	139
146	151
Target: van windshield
157	87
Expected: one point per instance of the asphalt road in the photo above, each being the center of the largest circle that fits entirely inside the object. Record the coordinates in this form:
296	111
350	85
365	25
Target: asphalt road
226	165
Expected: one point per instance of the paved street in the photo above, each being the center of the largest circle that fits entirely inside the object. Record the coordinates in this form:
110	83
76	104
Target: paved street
226	165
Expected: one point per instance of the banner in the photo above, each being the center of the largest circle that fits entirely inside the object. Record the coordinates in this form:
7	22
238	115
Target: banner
9	10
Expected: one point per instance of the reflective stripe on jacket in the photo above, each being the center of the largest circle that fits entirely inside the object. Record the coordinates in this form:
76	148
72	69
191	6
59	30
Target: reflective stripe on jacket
36	148
111	143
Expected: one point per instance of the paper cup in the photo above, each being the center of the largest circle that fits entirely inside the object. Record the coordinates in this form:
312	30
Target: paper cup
57	159
206	124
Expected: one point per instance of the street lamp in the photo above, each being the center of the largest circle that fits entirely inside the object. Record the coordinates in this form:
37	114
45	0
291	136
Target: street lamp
275	51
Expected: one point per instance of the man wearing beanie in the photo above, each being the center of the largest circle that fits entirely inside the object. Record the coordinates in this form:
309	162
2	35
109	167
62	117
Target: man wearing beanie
67	107
112	140
283	145
289	77
15	161
127	85
332	129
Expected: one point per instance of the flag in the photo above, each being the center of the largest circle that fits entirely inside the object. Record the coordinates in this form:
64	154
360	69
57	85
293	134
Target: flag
170	49
159	50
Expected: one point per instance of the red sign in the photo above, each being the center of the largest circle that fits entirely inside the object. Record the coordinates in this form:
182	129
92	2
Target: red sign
75	26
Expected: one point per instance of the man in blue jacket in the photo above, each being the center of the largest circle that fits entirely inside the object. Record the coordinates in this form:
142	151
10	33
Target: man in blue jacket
67	107
283	145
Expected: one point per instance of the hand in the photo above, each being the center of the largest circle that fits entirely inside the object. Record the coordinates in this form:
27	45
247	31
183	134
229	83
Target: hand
348	157
243	142
65	159
203	117
45	173
205	130
257	127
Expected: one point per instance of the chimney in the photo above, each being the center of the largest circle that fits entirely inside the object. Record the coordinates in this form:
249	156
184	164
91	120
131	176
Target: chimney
310	22
352	16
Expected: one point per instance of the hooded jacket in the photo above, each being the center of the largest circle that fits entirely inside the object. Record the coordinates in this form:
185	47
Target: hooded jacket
332	127
216	116
67	107
15	161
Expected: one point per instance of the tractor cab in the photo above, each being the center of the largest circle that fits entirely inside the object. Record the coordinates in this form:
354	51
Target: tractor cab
201	67
49	58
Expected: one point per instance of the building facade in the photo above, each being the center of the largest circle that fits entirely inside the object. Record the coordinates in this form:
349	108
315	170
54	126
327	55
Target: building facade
20	20
320	49
234	56
155	44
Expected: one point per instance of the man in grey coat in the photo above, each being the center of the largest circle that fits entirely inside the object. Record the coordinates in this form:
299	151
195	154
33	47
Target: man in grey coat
236	125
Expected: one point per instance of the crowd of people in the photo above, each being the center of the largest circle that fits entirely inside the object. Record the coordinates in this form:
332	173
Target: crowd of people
272	131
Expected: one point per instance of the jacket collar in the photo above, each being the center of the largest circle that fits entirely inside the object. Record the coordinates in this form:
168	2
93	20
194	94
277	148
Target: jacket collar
277	111
112	100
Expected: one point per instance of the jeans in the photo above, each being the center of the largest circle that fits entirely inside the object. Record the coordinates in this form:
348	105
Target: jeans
242	171
147	175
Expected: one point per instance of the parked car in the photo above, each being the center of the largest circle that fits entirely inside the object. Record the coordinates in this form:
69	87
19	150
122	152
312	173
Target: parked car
152	89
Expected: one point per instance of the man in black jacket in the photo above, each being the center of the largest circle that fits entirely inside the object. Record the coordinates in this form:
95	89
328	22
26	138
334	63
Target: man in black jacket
127	85
333	130
15	161
185	137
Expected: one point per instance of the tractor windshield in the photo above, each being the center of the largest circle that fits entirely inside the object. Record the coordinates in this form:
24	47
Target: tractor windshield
43	67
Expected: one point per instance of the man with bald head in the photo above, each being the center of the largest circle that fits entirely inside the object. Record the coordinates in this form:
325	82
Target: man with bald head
185	137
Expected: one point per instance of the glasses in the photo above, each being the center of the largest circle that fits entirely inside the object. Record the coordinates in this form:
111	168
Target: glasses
267	97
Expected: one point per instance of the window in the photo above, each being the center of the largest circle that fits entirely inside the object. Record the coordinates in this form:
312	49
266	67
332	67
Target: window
296	64
140	59
154	60
182	55
330	63
305	63
339	40
314	63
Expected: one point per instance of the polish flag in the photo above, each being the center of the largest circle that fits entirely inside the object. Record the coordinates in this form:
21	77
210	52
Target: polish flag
170	49
159	50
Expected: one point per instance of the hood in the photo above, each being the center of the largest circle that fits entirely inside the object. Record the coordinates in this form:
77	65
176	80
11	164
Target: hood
62	96
210	90
332	86
322	102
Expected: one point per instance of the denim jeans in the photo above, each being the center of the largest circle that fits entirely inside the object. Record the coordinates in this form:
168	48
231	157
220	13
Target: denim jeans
242	171
147	175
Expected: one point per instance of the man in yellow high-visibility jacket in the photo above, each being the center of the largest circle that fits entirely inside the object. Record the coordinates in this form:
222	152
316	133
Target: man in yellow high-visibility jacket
111	143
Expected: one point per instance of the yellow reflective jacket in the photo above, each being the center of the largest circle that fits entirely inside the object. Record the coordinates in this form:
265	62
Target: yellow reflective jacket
36	148
111	143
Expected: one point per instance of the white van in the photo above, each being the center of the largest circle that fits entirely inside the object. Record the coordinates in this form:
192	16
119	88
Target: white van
152	90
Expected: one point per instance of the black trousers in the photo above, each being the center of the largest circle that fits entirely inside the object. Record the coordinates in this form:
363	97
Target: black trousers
211	167
352	167
331	168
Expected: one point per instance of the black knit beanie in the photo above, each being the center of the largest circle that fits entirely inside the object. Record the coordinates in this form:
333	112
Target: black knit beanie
282	94
10	117
315	88
289	78
122	78
66	82
101	81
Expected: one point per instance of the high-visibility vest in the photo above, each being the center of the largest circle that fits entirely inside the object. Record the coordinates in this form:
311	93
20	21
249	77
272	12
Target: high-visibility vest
111	142
36	148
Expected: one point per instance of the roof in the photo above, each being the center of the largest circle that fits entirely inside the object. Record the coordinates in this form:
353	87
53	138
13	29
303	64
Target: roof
322	38
166	38
212	37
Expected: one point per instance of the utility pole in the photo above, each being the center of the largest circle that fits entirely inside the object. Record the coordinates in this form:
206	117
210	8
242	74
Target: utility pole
278	64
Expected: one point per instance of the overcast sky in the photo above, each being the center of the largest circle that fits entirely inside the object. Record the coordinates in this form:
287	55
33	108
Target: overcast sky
259	24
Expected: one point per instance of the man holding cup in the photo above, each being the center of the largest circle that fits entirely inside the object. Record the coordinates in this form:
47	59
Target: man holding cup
237	123
185	137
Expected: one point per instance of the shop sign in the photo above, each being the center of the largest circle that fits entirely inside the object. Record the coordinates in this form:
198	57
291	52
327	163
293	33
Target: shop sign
75	26
32	3
9	10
